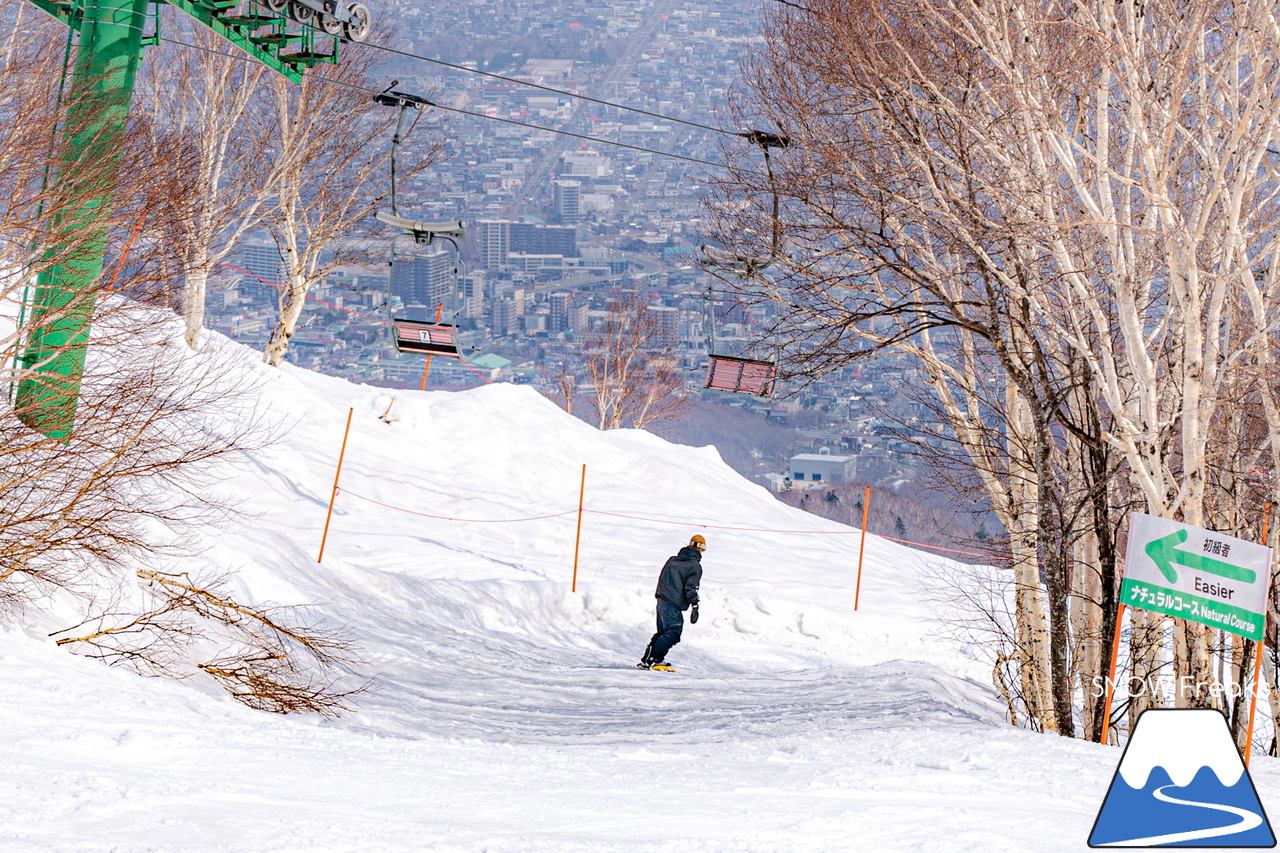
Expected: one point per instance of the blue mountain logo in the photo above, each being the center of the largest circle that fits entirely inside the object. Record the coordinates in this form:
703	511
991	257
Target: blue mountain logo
1181	783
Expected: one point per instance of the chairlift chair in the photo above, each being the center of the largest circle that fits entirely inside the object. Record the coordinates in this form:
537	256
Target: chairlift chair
419	336
734	373
741	375
426	338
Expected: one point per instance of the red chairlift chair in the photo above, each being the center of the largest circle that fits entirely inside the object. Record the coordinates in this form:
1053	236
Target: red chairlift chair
426	338
741	375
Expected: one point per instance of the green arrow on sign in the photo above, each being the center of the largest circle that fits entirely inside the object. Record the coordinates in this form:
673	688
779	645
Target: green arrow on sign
1164	551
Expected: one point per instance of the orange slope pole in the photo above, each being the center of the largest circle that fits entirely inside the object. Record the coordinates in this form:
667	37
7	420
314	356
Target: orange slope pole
333	496
1111	675
426	370
577	539
862	546
1257	665
124	256
1253	700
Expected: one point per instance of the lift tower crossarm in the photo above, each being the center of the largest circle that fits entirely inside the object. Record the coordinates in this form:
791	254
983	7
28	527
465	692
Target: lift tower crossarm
60	11
240	36
208	16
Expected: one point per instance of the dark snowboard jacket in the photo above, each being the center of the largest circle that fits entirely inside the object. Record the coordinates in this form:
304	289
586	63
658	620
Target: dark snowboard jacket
680	578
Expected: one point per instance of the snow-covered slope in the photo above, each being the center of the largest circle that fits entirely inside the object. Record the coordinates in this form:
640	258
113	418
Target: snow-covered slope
505	713
437	604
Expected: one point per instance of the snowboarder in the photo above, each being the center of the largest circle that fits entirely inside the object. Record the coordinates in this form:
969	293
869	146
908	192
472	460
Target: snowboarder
677	591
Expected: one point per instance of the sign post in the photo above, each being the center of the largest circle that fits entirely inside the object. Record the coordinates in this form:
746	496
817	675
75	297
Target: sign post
577	539
862	546
1111	673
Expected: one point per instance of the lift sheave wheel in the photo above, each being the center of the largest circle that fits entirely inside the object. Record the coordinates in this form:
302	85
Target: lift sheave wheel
358	29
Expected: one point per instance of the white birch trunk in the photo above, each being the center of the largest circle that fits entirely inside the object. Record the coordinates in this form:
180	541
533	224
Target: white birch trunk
1086	619
1033	627
1269	675
193	301
291	305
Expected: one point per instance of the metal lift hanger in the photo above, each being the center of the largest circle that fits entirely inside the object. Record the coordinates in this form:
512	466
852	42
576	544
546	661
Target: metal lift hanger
419	336
747	266
737	374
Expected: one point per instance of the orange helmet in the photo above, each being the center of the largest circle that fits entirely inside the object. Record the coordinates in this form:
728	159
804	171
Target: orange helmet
698	542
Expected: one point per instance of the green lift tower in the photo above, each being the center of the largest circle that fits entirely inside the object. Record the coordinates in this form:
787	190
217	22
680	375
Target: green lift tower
286	35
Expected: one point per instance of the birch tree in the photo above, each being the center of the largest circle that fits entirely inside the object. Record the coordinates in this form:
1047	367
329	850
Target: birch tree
633	376
1104	171
1151	192
204	98
329	155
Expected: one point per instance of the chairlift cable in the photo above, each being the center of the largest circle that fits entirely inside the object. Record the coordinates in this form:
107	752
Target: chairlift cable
518	123
552	89
583	136
371	91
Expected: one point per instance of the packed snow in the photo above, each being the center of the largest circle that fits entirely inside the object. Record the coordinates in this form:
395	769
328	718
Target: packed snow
505	712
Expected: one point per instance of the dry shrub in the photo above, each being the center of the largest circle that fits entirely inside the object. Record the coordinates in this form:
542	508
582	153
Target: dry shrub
126	494
269	657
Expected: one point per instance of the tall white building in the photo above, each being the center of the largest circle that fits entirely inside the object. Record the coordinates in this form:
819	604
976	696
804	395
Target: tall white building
262	260
472	288
668	320
495	242
560	306
501	238
424	281
568	201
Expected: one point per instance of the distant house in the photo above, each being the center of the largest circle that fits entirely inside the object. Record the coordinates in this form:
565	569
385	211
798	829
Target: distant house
822	467
490	364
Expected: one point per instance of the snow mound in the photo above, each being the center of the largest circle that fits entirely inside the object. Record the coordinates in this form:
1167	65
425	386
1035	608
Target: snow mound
450	555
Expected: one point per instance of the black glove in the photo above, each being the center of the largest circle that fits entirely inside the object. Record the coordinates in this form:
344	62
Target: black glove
693	615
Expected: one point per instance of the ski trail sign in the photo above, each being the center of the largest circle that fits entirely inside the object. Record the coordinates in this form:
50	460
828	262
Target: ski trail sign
1196	574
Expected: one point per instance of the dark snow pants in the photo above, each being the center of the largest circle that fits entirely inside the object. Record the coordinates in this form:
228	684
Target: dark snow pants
670	626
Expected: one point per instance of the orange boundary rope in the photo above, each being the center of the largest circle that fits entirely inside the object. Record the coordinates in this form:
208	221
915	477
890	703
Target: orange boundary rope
662	521
464	520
